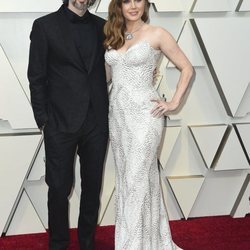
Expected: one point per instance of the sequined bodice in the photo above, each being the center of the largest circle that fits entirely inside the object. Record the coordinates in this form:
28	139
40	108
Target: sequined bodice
132	73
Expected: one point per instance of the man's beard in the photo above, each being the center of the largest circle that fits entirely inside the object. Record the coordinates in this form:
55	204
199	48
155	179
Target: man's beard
80	6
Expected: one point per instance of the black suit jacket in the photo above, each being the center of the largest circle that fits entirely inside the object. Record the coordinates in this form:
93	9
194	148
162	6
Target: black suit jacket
61	87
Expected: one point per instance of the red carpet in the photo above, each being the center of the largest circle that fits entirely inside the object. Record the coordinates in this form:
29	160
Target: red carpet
209	233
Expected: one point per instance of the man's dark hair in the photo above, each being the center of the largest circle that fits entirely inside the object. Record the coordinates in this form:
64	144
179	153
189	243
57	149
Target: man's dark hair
66	2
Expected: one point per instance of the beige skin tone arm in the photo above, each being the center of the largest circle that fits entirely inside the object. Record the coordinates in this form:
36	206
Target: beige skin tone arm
167	44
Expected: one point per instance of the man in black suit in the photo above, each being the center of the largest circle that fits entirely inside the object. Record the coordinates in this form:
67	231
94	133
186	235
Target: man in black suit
70	103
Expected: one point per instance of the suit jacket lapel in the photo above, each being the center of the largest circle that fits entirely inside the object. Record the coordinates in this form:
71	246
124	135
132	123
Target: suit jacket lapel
94	50
76	52
67	38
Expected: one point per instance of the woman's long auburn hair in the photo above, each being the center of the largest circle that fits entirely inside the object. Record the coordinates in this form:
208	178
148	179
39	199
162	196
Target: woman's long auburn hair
114	28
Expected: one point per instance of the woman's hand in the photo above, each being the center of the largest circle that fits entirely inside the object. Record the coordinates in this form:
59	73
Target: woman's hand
163	107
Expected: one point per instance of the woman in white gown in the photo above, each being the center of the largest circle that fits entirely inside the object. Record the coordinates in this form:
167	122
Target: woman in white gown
136	122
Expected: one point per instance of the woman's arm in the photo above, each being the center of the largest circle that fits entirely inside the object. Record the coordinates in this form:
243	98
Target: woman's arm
167	44
108	73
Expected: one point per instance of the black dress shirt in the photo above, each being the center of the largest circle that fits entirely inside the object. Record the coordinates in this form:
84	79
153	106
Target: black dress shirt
83	34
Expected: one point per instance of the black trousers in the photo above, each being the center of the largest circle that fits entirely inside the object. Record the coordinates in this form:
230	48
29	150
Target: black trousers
60	149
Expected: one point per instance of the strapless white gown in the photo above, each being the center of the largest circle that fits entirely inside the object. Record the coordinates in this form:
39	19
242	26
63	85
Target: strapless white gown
135	135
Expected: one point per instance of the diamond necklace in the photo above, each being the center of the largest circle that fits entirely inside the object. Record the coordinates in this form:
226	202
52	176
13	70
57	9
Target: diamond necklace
129	35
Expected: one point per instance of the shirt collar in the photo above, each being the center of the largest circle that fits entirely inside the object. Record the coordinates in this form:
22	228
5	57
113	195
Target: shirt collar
74	18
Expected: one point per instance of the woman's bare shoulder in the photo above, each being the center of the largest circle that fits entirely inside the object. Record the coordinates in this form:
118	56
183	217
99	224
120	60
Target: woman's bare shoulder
157	30
157	34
